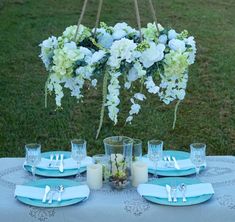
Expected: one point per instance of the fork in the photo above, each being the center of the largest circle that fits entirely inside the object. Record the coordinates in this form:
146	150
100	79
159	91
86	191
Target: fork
174	191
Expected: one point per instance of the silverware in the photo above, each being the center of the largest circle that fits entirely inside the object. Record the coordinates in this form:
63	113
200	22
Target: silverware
175	163
60	190
57	156
47	190
183	188
168	190
51	197
165	161
61	166
51	159
174	191
170	163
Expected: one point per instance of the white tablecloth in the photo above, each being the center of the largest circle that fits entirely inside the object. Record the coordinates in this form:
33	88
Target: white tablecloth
125	206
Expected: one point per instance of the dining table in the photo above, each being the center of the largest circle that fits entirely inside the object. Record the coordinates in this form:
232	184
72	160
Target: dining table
108	204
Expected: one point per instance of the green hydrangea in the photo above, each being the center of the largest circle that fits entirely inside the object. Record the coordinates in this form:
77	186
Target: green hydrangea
83	32
107	28
183	35
143	46
175	64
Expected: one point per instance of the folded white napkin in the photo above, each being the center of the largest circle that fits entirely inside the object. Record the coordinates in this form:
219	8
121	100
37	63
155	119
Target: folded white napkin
38	193
185	164
69	163
160	191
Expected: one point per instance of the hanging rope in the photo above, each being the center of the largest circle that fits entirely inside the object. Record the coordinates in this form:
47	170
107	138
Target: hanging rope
98	16
154	14
138	18
80	18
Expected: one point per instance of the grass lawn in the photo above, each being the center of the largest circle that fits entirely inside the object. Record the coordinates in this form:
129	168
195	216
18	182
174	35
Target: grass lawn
207	114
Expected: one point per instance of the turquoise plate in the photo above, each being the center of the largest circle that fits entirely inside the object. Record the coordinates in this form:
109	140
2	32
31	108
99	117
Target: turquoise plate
55	173
52	183
174	181
179	155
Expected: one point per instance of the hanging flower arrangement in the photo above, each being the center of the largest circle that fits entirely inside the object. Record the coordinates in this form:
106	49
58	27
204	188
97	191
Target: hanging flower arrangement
154	57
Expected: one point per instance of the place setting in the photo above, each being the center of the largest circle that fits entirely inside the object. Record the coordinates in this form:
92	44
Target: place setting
57	163
55	192
51	193
172	191
121	167
171	162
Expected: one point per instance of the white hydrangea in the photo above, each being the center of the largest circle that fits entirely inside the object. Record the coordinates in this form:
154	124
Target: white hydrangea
47	51
163	39
121	30
121	50
177	45
97	56
105	40
172	34
153	54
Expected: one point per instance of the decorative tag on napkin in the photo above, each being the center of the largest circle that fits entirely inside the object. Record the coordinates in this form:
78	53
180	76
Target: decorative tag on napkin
37	193
185	164
158	191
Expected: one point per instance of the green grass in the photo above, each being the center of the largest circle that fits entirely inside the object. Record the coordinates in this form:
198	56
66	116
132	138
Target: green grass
207	114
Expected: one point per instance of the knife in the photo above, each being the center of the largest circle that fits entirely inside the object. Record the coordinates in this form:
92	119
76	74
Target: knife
61	167
168	190
176	164
47	190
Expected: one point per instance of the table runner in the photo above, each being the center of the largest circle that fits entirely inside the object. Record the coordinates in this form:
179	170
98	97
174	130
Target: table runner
111	205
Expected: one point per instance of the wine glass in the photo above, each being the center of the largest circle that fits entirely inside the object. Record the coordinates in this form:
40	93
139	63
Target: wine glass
78	149
137	149
33	156
155	150
198	155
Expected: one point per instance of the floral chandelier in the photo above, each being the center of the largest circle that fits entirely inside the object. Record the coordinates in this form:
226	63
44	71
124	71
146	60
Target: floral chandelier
153	57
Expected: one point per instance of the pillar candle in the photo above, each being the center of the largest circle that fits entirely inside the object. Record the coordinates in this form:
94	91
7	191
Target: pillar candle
139	173
94	176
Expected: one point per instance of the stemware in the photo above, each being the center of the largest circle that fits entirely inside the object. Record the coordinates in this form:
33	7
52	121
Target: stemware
137	149
155	150
198	155
79	153
33	156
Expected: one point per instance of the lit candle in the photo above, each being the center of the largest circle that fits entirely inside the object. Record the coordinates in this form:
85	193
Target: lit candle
139	173
94	176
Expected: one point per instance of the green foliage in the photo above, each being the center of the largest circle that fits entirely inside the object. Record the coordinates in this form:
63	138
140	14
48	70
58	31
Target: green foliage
207	114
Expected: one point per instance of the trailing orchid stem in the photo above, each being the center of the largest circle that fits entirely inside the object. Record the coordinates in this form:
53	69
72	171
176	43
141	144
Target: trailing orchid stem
175	114
46	92
105	84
